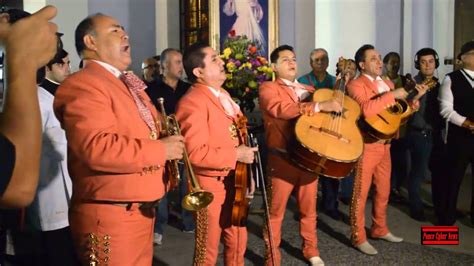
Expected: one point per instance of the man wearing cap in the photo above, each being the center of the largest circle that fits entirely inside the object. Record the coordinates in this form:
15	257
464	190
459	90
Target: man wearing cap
456	100
115	158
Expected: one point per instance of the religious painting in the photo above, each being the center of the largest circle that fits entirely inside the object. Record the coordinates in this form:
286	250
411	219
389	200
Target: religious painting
256	19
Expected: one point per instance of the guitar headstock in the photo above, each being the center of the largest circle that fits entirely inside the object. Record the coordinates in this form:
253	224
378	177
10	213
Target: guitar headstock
410	83
431	82
343	65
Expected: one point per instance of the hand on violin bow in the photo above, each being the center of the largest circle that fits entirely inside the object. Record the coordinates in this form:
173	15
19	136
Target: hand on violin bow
246	154
174	147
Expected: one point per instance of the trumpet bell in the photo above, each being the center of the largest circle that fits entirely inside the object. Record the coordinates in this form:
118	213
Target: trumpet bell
197	200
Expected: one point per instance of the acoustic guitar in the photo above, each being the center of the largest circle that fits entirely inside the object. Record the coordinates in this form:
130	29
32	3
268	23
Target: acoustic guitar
385	124
329	143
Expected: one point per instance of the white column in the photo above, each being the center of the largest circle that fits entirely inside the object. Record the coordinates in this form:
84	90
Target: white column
443	33
173	24
406	56
304	33
161	25
422	24
343	26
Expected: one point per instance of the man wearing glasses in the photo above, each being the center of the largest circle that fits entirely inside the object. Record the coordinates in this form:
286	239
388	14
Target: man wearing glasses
151	69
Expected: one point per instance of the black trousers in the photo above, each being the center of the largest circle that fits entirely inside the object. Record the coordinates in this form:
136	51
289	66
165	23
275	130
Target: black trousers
45	248
58	247
460	155
439	175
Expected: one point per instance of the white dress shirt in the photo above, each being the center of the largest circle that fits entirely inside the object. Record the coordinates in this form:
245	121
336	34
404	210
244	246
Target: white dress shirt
446	99
49	210
301	93
381	85
109	68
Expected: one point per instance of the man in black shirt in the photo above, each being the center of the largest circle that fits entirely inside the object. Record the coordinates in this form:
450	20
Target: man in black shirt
151	69
424	132
171	88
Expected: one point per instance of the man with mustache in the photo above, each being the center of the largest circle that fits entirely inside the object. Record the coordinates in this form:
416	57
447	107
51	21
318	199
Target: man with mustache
374	95
115	158
208	117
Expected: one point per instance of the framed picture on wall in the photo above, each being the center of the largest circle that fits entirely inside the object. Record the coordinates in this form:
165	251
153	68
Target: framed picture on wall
257	19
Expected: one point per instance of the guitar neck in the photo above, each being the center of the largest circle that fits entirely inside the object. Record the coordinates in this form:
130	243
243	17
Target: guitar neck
412	94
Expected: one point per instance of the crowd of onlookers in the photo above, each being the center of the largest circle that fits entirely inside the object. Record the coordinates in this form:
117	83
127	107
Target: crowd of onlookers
435	146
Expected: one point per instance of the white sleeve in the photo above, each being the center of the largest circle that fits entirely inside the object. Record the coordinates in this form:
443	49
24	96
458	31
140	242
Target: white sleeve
446	101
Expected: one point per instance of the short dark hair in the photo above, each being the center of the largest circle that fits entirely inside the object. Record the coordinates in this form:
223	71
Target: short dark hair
58	58
86	26
276	53
360	54
194	57
391	54
164	55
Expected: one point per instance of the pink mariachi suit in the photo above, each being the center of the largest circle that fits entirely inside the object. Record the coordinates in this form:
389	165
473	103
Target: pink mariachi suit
280	108
374	166
211	141
112	162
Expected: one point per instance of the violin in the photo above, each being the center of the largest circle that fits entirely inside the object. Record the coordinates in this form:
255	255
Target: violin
243	182
241	203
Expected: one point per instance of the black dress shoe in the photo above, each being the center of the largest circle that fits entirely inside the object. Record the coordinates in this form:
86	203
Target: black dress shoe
334	214
418	215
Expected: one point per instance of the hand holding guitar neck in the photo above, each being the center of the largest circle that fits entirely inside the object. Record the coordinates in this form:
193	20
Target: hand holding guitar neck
422	89
416	91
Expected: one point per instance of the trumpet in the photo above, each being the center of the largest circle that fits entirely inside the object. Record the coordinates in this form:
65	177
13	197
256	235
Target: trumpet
171	167
197	198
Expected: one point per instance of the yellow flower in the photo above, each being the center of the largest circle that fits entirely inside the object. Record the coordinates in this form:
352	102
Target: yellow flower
230	66
247	65
226	53
228	76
